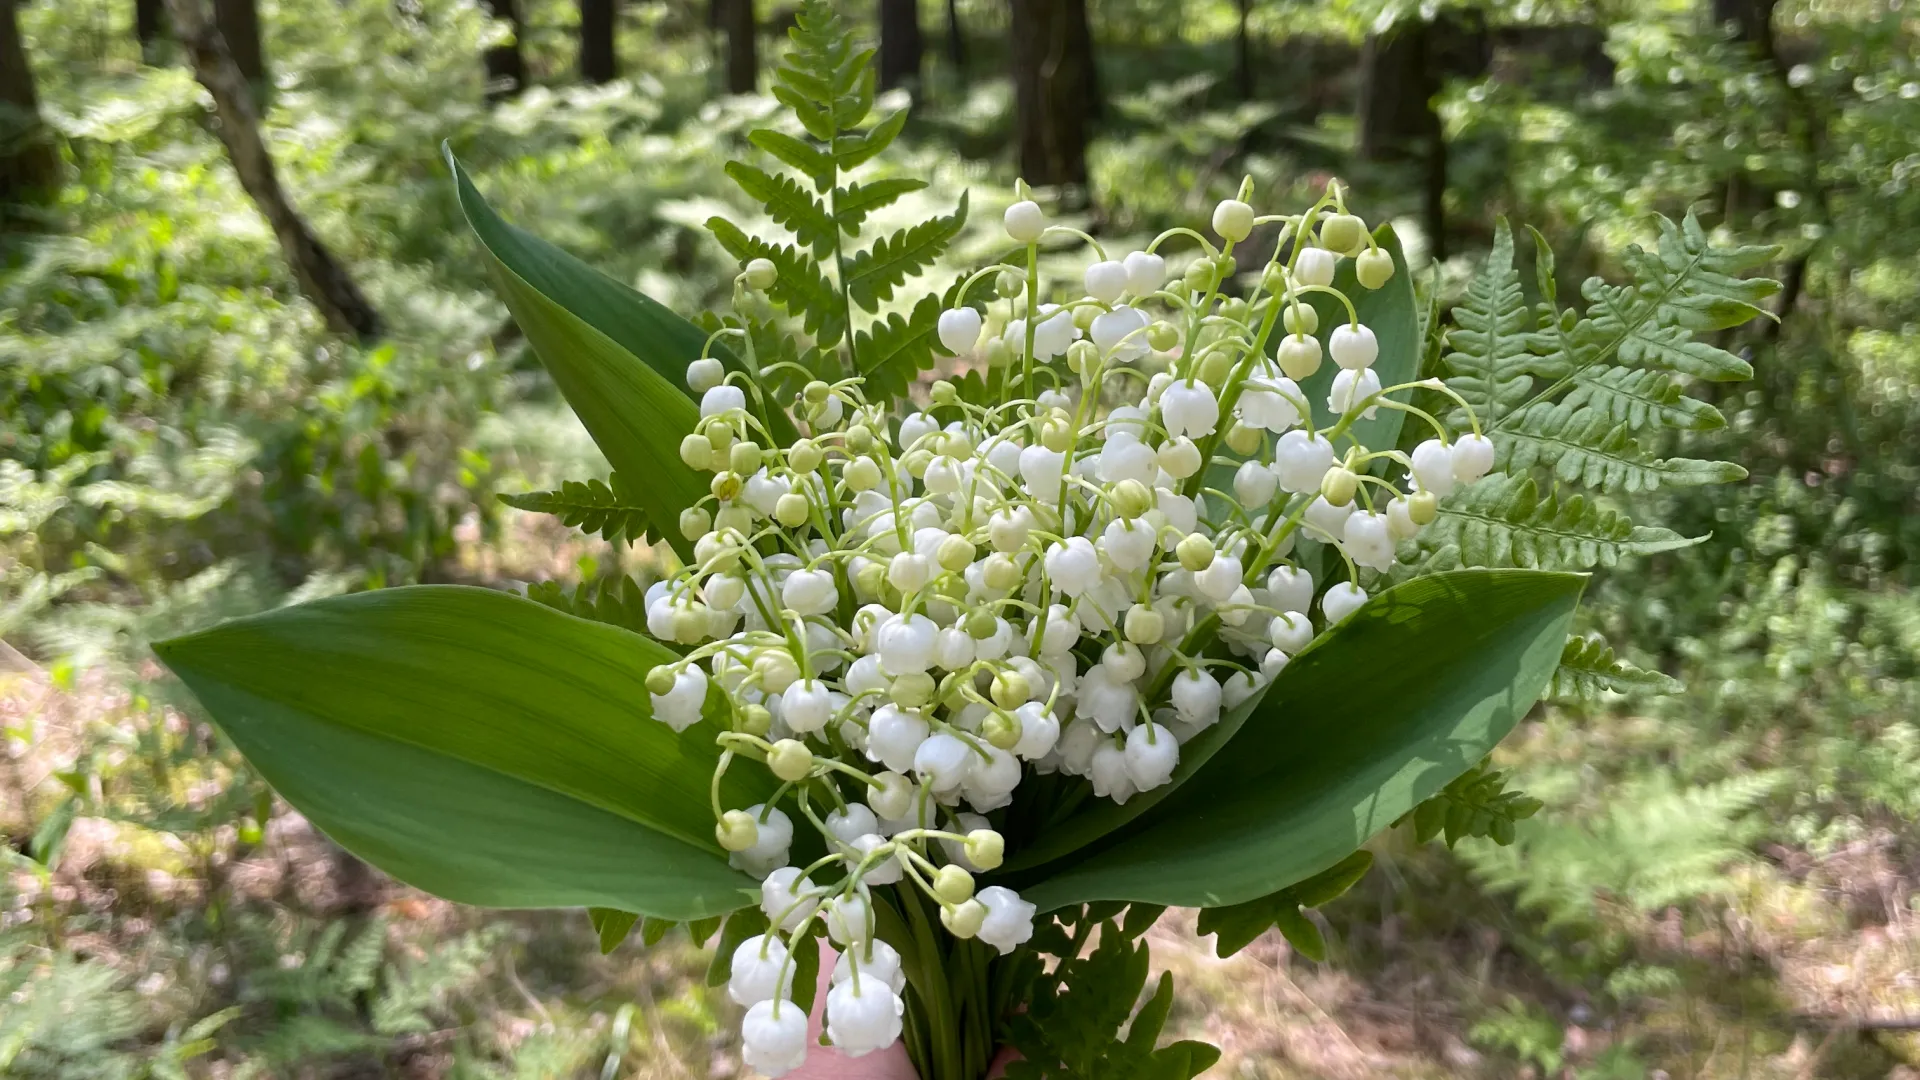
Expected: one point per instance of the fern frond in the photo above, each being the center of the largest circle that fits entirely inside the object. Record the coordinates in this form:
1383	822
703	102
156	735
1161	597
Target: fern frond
1477	803
896	349
1503	520
1585	446
859	200
617	601
1491	362
852	150
789	204
610	510
1588	667
873	275
1641	399
801	287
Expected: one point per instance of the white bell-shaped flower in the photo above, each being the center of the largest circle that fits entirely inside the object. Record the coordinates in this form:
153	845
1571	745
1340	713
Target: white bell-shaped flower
952	649
1433	467
787	899
1350	388
724	398
1125	457
1044	471
1367	542
1145	273
1009	921
1290	588
1109	702
1301	460
1353	346
773	838
756	971
1073	566
863	1015
1253	485
1120	334
882	872
1400	523
773	1038
806	706
960	329
1315	266
810	592
906	644
1152	753
1024	221
1127	543
1238	689
943	762
850	822
849	918
1342	600
1106	280
1270	403
1290	631
679	708
1108	773
1472	458
1218	581
1189	408
1039	731
876	959
1327	522
1196	696
894	736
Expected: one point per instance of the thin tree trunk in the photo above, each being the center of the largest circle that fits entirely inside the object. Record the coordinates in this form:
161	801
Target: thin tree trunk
741	26
956	38
1243	52
901	45
1398	81
1055	91
598	60
149	24
322	280
239	24
29	160
506	64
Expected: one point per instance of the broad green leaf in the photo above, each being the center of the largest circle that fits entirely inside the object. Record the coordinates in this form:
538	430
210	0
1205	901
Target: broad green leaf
477	745
1390	312
1359	729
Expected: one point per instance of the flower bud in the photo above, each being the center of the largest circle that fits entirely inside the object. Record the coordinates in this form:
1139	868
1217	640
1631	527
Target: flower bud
1215	366
985	848
696	451
1199	276
1300	319
1314	266
719	435
999	353
737	518
1343	233
1144	626
760	274
1056	434
1299	356
756	720
1233	220
790	760
1162	336
1082	357
694	522
1373	268
745	458
1025	221
1010	689
660	681
1242	439
1130	498
1423	507
1180	458
736	830
1339	485
791	510
893	798
952	884
805	456
725	486
1001	729
912	691
870	579
963	920
861	474
1195	552
916	460
704	374
954	554
1000	573
860	439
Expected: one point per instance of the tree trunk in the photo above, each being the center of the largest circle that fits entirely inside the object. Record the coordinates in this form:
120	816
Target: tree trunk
1243	53
1398	81
506	64
149	23
1055	89
1752	21
956	38
736	19
321	279
29	160
239	24
900	43
598	62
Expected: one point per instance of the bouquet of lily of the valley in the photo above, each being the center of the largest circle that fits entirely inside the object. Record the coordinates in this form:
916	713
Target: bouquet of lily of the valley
1198	571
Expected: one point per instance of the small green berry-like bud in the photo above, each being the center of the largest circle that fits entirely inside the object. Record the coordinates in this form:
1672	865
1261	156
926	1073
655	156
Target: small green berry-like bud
816	392
1342	233
1423	507
944	392
861	473
1215	366
1274	278
756	720
1162	336
871	579
964	920
1236	309
1002	730
1131	498
1056	434
1082	356
761	274
737	518
694	522
719	434
860	438
981	625
1373	268
985	848
1199	276
805	456
1339	485
998	353
1010	283
736	830
790	760
953	884
744	458
1195	552
1233	220
1144	626
660	681
1010	689
912	691
791	510
1000	573
954	554
1300	319
725	486
696	451
1242	439
916	460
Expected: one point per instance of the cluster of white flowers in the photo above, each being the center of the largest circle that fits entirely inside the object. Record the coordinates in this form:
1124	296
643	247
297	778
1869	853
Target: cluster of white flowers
903	619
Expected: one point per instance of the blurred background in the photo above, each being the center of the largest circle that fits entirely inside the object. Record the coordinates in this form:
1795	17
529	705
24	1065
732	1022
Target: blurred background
223	390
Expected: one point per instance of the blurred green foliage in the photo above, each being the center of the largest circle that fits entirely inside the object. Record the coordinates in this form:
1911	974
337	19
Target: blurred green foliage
181	440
